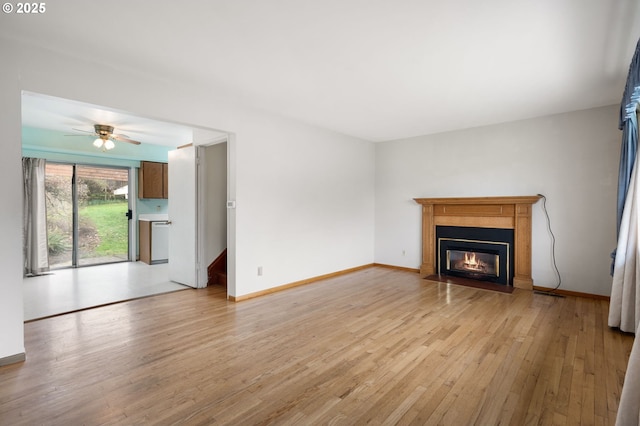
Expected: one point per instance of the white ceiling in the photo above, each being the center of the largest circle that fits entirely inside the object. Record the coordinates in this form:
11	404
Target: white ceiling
375	69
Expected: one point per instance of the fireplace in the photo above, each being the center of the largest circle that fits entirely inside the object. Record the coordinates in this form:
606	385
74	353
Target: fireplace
483	254
512	213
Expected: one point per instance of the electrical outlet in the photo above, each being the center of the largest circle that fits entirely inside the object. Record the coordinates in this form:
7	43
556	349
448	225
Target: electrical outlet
404	253
259	271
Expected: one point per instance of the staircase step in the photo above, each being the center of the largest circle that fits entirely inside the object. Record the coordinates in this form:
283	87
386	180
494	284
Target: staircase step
217	270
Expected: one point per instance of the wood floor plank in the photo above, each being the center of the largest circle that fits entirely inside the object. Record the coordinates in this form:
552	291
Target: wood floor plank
377	346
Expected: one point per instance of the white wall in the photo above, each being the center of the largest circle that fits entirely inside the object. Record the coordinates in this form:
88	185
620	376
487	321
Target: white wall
571	158
304	195
11	259
306	202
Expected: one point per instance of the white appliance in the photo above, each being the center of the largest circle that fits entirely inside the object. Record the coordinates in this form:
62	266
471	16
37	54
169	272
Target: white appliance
160	242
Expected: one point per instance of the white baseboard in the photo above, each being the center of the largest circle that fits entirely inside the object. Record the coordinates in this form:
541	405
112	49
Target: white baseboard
12	359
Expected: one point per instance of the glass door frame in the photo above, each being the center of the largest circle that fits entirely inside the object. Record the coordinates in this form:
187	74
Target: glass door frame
131	234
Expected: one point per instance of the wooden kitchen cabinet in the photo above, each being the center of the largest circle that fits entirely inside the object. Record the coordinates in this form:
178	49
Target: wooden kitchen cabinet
165	180
153	180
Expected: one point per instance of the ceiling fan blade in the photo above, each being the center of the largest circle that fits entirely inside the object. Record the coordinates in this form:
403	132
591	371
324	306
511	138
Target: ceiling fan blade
122	139
83	131
120	135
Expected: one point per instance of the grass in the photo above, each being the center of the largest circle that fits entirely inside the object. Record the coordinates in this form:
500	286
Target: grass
111	226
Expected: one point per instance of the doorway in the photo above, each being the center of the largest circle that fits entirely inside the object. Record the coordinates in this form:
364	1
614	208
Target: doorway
87	214
47	122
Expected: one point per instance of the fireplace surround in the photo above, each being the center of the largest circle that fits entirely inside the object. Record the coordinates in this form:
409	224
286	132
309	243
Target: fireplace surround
512	213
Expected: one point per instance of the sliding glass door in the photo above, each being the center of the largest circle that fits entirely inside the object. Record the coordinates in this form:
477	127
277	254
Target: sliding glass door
59	201
87	219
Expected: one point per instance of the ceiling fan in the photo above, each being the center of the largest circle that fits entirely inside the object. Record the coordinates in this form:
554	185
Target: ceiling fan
106	137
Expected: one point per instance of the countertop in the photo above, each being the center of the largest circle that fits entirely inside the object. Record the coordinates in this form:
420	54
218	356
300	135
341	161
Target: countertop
153	217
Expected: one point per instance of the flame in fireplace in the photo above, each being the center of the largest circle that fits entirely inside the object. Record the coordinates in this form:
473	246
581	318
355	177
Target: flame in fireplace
470	261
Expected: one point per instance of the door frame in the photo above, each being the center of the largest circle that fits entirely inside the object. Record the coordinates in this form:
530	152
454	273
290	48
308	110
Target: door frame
133	222
201	193
75	261
201	197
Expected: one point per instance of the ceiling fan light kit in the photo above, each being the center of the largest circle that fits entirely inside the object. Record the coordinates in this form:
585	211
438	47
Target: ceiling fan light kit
105	144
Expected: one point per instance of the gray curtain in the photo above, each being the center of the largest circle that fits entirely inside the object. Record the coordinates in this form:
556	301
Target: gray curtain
628	123
629	126
36	255
627	158
624	306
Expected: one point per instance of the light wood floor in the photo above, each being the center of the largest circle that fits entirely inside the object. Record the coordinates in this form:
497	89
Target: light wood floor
376	346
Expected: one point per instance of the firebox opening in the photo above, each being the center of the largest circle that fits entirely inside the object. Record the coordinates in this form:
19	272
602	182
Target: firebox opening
471	262
483	254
